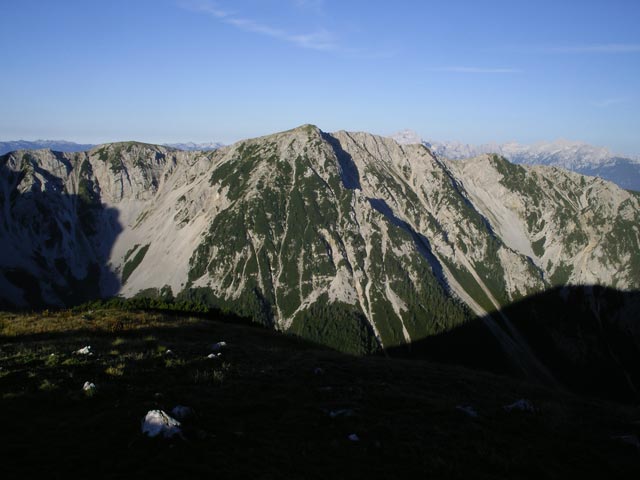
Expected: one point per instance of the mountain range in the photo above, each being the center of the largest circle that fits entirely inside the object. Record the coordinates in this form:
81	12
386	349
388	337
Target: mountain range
64	146
348	239
193	147
575	156
56	145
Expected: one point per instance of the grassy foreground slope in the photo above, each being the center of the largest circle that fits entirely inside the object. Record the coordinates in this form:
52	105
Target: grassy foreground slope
264	410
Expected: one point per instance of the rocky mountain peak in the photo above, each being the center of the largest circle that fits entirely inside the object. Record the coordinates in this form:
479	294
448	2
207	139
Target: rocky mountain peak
347	238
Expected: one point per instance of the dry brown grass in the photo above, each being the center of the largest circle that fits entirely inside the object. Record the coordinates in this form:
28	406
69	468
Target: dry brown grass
103	321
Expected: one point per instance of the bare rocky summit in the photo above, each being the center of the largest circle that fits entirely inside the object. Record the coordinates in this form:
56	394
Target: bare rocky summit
349	239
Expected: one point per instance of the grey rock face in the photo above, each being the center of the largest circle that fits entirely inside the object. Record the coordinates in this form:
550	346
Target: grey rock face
387	241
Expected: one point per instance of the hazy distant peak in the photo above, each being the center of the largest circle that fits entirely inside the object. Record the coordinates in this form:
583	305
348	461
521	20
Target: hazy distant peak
55	145
66	146
567	153
192	146
407	137
571	155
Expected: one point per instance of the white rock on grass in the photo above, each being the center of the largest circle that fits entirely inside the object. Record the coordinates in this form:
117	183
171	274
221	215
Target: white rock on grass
216	347
84	351
522	405
158	423
89	387
214	355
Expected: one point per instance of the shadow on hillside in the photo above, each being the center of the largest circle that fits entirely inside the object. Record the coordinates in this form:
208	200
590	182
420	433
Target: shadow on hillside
55	245
348	168
422	242
588	337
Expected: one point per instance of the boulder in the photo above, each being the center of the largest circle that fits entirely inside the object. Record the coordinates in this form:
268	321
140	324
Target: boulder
84	351
89	387
158	423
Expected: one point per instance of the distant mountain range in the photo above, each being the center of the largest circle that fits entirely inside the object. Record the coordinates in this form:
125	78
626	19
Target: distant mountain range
195	147
70	147
575	156
55	145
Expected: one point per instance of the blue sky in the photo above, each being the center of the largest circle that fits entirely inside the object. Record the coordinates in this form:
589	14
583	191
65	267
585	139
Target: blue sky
179	70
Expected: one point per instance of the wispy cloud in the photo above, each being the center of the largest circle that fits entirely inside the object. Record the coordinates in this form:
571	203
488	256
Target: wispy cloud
608	102
204	6
317	40
460	69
